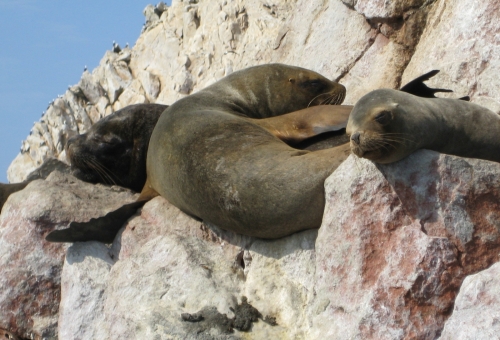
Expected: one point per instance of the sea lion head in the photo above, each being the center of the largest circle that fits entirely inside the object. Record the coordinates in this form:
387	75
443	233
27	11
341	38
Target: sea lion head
114	149
275	89
377	125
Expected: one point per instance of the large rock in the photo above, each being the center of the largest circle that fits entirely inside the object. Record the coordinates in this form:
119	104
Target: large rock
391	257
460	39
387	263
31	267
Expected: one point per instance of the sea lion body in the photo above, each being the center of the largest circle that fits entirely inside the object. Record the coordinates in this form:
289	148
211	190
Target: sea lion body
387	125
209	156
114	149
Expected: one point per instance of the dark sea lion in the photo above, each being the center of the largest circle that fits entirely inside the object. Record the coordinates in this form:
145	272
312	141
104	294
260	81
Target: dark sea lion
113	151
387	125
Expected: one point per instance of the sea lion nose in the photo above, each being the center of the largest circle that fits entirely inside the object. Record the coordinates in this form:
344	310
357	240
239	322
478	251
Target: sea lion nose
355	137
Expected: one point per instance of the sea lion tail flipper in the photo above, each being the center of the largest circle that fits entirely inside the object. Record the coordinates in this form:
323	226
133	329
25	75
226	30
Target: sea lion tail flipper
102	229
465	98
418	88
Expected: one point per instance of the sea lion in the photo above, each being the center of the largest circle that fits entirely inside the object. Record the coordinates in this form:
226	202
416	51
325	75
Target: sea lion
113	151
387	125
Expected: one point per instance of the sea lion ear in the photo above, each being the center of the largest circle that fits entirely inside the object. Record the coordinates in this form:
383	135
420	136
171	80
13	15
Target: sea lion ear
291	80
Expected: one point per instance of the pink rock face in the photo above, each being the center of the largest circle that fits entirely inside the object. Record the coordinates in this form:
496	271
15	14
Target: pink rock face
31	267
392	256
476	314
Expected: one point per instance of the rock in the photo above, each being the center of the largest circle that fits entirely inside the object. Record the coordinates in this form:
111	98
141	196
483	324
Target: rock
387	263
476	314
90	88
151	15
391	257
78	317
31	267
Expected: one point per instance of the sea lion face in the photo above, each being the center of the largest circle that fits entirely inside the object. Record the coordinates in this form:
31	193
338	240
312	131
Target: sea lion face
314	88
376	130
101	155
114	150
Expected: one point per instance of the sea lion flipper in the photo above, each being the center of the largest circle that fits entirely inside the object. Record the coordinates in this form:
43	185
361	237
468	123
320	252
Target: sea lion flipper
299	125
102	229
418	88
419	80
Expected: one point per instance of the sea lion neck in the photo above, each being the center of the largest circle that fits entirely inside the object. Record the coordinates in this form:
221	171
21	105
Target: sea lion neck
242	97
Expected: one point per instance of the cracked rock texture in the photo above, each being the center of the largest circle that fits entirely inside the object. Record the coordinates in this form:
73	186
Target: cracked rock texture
31	267
365	44
393	260
387	263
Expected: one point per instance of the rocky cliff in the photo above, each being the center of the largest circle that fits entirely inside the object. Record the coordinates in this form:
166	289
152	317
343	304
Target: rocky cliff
387	263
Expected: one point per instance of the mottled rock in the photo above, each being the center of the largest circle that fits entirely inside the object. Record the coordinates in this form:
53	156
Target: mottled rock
391	257
90	87
387	263
31	267
388	260
77	316
476	314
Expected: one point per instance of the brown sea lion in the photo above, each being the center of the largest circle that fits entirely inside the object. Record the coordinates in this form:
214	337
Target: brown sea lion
387	125
113	151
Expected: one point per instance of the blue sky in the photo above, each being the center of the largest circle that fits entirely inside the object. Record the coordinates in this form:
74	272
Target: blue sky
44	46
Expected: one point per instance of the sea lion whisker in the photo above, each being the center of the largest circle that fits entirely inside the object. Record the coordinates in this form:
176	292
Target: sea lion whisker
400	136
111	173
338	99
319	95
99	168
104	176
327	101
332	100
400	140
90	166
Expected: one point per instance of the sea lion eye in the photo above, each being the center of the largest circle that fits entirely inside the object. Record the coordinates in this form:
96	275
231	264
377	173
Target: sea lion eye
314	85
383	117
